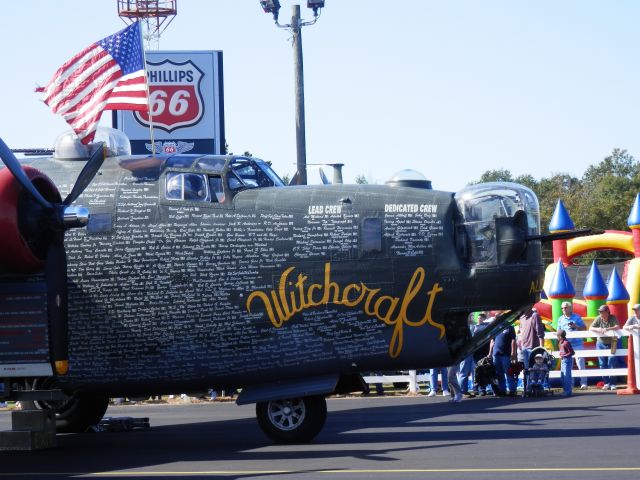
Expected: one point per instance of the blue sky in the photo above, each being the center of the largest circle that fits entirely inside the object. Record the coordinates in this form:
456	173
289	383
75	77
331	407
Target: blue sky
448	88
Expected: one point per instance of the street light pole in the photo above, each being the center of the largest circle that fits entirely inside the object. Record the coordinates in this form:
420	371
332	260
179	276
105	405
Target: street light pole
273	7
301	142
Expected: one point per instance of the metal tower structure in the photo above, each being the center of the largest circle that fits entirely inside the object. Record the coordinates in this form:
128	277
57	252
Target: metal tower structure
155	15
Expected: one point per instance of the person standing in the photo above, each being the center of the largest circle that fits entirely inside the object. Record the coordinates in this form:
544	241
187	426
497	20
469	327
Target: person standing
566	363
633	324
467	364
503	349
480	353
433	373
454	386
570	321
603	323
531	333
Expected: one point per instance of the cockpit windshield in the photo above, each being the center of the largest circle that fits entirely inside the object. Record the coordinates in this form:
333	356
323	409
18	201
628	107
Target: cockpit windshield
254	173
486	209
211	164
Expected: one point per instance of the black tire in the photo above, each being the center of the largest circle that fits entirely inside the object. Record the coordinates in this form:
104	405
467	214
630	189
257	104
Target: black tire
74	415
293	420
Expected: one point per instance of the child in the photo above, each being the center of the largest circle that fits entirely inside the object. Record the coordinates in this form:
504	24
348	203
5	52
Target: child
566	362
538	372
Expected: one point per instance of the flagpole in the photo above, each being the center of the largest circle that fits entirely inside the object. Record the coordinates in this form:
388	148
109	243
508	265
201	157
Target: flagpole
146	84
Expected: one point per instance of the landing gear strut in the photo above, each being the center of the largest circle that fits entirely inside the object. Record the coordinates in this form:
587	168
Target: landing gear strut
73	415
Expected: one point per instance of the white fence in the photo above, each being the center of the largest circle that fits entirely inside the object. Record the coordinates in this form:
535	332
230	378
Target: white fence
412	378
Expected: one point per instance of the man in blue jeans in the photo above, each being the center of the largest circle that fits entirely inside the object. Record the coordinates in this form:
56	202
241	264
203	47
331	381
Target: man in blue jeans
602	324
566	363
503	349
570	321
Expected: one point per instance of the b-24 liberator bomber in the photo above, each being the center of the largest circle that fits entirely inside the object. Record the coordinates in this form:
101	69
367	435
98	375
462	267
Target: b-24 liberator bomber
188	272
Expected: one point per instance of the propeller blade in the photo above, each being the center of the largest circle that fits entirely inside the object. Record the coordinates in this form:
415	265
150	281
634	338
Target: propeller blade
86	175
337	172
294	179
56	277
14	166
323	177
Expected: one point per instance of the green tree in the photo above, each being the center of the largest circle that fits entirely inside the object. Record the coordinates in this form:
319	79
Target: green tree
361	180
549	190
500	175
527	180
619	164
607	192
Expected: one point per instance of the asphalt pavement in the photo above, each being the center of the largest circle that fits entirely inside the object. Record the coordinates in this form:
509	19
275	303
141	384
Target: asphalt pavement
592	435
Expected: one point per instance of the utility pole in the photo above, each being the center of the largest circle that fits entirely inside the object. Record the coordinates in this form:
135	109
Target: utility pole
301	142
273	7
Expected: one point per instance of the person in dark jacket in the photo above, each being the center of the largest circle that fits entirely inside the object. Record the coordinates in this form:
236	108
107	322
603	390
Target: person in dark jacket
479	354
504	351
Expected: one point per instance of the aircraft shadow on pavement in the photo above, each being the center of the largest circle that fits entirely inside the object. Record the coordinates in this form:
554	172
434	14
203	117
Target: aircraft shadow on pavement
376	432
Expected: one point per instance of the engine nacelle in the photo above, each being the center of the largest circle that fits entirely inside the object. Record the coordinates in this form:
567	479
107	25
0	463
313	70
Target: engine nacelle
18	251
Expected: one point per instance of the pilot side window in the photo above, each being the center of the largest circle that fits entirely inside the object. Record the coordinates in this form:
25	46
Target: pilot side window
192	187
217	190
371	239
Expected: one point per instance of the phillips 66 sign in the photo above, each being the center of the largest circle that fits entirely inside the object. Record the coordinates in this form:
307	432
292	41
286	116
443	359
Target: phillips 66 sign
186	103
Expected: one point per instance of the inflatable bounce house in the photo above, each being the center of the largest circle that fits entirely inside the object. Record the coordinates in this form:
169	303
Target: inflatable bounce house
563	278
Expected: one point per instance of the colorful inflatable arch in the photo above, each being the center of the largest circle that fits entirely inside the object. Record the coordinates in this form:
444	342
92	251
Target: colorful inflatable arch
620	293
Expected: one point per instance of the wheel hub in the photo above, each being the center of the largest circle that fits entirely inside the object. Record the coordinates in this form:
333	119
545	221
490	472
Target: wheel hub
286	414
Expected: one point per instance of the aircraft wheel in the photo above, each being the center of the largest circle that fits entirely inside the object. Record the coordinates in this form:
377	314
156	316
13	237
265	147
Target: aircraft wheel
74	415
293	420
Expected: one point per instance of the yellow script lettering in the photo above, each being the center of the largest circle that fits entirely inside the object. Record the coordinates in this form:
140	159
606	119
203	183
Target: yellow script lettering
282	304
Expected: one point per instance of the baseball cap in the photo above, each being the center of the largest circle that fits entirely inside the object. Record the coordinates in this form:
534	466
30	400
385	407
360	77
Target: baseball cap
636	306
603	308
565	304
539	355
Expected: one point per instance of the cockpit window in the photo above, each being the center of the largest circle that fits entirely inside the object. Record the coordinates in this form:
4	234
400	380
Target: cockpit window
254	174
269	172
211	164
250	175
215	182
187	186
234	182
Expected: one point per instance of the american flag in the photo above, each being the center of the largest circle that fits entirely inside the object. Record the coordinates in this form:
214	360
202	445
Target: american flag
107	75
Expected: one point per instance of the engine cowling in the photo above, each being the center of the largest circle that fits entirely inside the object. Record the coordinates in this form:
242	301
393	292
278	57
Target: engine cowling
22	246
